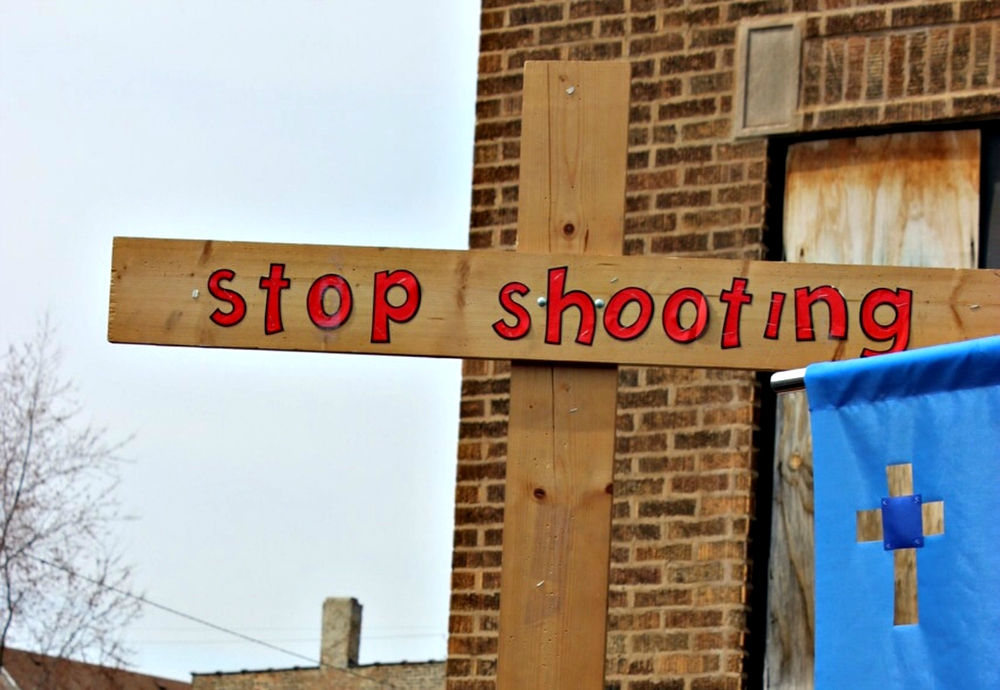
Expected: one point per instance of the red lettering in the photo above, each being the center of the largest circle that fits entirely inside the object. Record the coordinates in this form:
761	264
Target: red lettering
734	297
805	298
672	315
383	312
616	305
559	301
233	298
898	330
774	315
274	282
317	293
522	323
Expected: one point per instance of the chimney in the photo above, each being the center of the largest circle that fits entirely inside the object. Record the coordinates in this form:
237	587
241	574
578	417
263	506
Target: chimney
341	635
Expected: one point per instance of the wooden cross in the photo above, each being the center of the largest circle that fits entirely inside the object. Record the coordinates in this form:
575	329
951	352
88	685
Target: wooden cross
888	524
566	297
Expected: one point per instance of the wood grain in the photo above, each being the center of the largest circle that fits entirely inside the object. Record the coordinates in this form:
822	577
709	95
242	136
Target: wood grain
869	525
557	510
932	514
905	609
900	479
903	200
791	576
154	283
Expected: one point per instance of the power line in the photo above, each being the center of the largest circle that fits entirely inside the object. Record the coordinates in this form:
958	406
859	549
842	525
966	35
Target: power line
187	616
431	630
284	639
143	600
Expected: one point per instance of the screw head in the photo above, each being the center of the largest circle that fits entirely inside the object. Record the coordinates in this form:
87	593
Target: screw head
542	301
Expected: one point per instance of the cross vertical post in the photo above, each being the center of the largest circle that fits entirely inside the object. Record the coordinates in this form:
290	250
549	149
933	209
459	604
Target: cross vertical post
561	435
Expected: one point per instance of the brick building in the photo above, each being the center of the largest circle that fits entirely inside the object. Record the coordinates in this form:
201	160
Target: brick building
31	671
338	669
721	94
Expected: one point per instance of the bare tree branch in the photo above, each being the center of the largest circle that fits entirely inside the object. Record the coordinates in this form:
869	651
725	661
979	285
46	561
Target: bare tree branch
60	578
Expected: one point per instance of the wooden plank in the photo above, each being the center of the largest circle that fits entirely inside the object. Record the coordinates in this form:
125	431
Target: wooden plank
900	479
904	561
905	200
791	574
905	610
560	449
932	514
160	294
869	524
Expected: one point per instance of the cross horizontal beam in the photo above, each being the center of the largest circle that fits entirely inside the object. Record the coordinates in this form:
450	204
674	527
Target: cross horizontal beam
656	311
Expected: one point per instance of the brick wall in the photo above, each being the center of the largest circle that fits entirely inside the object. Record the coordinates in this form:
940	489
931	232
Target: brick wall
403	676
900	63
340	640
684	463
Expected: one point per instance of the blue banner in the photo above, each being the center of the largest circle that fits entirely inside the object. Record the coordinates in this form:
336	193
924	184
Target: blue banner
907	472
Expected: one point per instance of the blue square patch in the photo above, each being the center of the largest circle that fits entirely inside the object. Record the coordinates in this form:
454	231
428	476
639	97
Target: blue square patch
902	522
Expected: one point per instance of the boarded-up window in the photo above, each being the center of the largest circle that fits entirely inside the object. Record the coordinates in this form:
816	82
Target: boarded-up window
901	199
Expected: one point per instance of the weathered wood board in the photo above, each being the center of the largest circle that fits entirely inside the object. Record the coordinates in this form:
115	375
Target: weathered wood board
664	311
903	199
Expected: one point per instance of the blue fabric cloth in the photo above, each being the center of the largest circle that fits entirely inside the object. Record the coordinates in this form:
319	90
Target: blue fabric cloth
939	409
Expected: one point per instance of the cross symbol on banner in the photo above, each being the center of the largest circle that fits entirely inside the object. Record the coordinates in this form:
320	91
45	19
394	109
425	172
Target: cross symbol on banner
901	523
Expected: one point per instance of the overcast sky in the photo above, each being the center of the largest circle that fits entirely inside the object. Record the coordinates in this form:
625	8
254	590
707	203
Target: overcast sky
337	122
